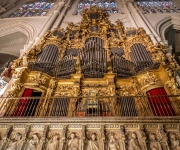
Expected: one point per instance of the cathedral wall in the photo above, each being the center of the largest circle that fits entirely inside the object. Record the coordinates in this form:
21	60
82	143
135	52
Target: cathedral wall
71	17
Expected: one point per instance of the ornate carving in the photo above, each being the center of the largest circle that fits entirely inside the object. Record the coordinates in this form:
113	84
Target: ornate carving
154	144
89	84
17	63
134	142
38	79
52	87
113	40
76	91
15	88
124	90
172	85
174	142
93	143
73	107
148	78
73	142
135	86
163	137
113	143
64	90
16	142
55	142
18	72
34	142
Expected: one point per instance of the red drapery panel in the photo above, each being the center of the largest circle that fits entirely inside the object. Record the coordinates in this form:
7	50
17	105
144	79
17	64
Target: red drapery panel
23	103
160	102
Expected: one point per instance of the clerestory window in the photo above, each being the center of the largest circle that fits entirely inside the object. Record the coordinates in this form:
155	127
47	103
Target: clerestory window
38	8
109	5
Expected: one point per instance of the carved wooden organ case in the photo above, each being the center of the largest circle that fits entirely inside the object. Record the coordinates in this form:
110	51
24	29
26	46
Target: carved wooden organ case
98	68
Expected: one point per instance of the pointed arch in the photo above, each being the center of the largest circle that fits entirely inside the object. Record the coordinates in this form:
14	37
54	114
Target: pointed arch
18	26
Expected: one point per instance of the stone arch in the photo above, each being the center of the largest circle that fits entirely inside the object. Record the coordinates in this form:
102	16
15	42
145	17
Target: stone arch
12	43
169	31
23	29
14	26
162	26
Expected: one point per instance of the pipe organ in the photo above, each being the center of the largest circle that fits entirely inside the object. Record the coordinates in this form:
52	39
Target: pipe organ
121	66
60	107
140	56
65	67
128	107
49	55
93	85
93	58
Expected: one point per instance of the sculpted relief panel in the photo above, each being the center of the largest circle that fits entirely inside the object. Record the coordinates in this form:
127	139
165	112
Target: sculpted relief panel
87	137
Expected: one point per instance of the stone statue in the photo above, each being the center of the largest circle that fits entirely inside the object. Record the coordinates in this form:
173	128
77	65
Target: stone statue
134	143
15	143
93	143
34	142
154	144
73	143
113	143
54	143
174	143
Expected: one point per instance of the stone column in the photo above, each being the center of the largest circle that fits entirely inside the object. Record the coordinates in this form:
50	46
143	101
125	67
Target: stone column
149	25
140	22
129	15
61	15
50	22
47	26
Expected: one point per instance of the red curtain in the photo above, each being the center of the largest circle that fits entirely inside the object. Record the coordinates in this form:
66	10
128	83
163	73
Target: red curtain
23	103
160	102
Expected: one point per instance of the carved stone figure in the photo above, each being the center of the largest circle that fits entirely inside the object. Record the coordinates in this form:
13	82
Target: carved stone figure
93	143
134	143
113	143
54	143
15	143
73	143
174	143
154	143
34	142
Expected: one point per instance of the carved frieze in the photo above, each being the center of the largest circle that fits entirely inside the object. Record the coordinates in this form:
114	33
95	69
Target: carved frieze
88	136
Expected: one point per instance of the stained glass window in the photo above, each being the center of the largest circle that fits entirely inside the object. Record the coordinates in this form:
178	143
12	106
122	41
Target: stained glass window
157	6
33	9
109	5
160	11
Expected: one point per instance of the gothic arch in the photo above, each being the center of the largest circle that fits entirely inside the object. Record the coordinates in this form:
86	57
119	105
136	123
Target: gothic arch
13	43
164	24
21	26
